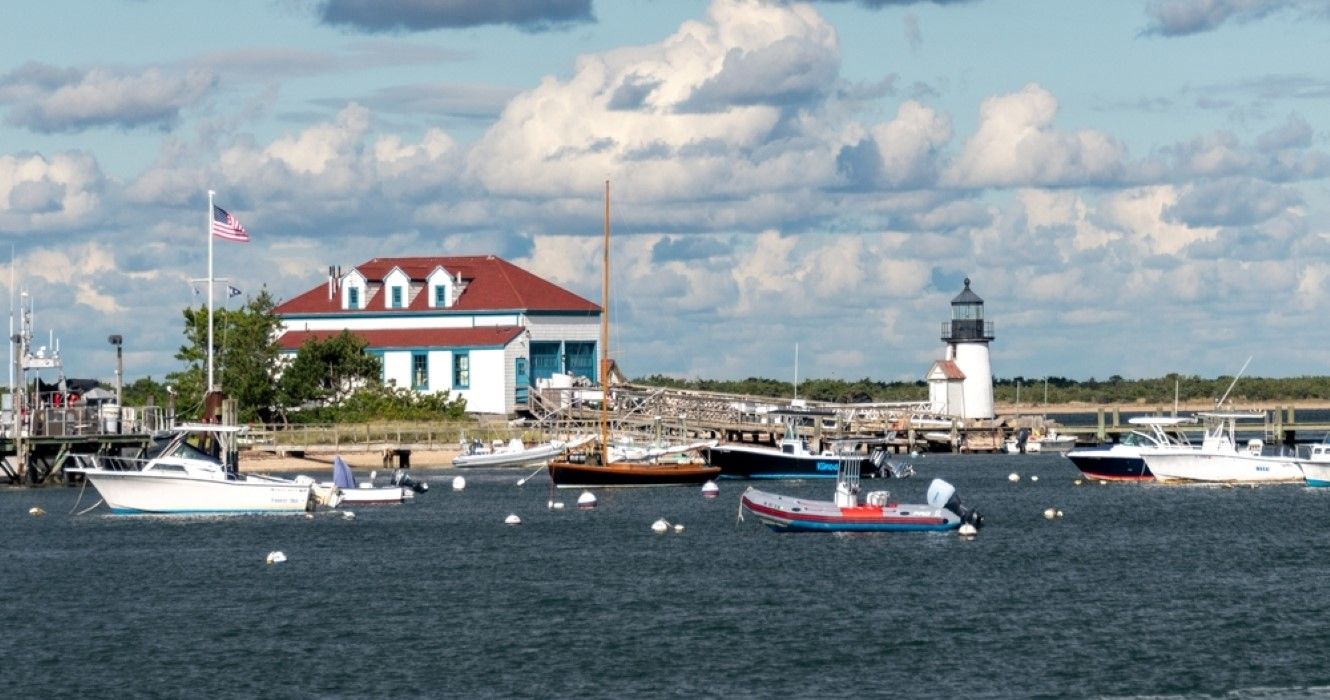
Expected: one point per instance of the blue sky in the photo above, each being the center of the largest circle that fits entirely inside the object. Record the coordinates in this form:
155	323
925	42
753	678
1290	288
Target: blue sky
1135	187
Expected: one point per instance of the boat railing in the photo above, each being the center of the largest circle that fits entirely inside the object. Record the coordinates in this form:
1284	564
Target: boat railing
112	463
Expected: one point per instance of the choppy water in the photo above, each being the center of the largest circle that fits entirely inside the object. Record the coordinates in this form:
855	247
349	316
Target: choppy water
1136	591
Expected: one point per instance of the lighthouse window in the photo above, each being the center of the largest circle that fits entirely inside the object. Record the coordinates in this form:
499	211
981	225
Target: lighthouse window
969	312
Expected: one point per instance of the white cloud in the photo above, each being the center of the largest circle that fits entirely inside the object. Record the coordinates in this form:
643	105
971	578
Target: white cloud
631	114
1016	145
49	99
910	143
42	194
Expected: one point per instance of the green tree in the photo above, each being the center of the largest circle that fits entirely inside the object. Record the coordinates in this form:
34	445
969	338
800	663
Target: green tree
326	372
245	353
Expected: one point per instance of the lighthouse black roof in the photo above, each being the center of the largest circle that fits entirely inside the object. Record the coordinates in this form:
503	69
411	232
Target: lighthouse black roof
966	296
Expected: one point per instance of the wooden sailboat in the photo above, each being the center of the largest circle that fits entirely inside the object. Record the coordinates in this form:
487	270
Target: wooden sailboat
593	467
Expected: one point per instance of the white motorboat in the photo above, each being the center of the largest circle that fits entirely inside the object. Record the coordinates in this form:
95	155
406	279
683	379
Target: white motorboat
1316	466
344	490
182	479
1025	441
515	453
1220	459
1121	461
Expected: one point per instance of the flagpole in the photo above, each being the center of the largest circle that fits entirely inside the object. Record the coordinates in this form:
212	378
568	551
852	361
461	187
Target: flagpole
208	230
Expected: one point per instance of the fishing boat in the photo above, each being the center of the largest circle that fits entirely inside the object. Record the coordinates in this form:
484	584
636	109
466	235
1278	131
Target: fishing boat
791	459
878	513
1220	458
515	453
344	490
1316	465
1122	461
183	479
593	465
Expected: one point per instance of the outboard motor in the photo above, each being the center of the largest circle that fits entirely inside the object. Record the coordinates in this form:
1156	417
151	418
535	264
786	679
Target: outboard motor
400	478
943	495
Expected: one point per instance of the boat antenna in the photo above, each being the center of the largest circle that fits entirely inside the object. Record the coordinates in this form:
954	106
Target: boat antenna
1220	401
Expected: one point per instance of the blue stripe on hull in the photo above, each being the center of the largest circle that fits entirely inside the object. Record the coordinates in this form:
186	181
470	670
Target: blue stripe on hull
1317	482
801	526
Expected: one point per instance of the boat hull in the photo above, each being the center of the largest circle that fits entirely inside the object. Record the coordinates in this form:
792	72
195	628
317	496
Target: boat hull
1317	473
1221	467
628	474
742	462
525	458
138	493
1117	463
787	514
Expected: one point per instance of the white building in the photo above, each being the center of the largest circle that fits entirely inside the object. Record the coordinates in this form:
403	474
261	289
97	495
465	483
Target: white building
961	383
475	326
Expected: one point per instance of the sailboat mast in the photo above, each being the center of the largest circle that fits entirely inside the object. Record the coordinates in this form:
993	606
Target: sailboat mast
605	335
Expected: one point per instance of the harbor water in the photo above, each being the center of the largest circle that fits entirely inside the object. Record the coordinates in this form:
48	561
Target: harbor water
1138	590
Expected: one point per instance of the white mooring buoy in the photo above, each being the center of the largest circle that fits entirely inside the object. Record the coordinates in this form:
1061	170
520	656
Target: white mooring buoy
586	501
556	505
459	483
710	489
36	511
1050	513
678	527
660	526
1034	478
512	519
276	557
967	531
1013	477
348	515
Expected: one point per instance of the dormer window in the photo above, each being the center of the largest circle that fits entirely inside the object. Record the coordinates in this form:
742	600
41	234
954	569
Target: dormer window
440	295
352	297
397	297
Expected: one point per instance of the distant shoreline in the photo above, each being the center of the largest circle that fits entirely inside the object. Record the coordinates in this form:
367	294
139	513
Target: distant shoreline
1003	408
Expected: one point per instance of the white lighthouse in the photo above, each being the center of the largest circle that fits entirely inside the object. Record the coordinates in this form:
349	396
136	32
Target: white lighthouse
961	384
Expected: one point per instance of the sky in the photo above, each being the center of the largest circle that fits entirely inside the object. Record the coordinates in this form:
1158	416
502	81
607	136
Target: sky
1134	188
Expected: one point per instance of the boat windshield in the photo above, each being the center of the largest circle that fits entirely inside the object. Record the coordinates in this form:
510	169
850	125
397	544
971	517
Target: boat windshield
1137	439
188	451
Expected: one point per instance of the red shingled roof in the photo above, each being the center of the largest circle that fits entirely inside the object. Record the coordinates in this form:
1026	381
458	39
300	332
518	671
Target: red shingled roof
492	284
485	336
949	369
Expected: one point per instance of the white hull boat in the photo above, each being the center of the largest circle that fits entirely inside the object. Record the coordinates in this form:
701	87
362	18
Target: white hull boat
1316	467
515	454
345	491
182	479
1219	460
1052	442
149	491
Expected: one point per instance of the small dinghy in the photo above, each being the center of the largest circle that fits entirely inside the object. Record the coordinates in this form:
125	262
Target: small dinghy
846	514
346	491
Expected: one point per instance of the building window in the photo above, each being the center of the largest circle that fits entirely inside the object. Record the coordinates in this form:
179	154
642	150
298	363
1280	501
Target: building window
420	371
461	370
352	297
397	298
440	295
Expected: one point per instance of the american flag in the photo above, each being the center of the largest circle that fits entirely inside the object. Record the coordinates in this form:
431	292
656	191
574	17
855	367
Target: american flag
225	226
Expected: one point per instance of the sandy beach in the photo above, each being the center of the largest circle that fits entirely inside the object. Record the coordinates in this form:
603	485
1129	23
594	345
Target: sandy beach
321	463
